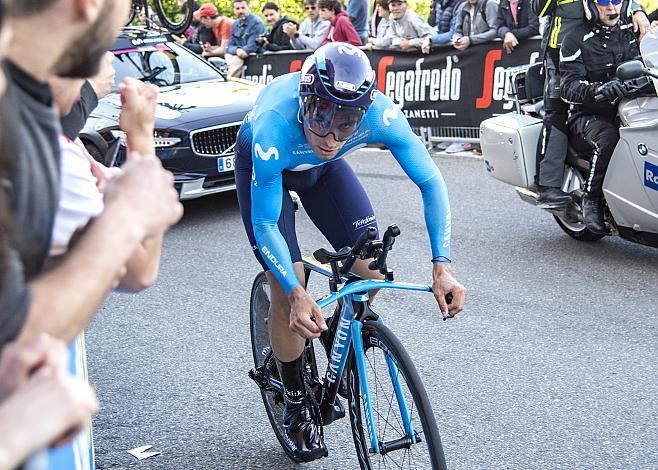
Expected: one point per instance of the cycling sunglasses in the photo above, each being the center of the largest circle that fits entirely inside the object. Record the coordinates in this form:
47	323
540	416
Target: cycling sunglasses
605	3
324	117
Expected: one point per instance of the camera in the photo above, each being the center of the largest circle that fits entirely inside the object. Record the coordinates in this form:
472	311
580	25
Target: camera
261	40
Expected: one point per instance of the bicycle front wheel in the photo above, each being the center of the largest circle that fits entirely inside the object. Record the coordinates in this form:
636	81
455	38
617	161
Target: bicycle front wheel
387	361
176	19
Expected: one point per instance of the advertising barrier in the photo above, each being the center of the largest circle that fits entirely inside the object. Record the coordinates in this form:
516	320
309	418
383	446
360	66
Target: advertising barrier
446	88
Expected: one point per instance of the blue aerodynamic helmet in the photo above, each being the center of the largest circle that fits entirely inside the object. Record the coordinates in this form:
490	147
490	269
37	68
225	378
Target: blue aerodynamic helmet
336	88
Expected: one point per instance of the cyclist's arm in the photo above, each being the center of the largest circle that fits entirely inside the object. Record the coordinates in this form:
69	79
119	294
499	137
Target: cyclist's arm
390	127
270	156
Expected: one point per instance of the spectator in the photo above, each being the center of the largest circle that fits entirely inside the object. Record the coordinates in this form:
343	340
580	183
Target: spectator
139	204
358	12
383	26
311	32
477	23
443	38
40	406
221	28
341	28
516	21
245	30
408	31
442	14
276	39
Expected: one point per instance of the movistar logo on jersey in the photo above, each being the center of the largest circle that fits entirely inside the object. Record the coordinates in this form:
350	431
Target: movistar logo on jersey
390	113
651	176
268	254
266	155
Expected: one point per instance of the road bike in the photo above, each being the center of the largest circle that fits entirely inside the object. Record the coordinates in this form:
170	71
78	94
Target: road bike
393	425
174	18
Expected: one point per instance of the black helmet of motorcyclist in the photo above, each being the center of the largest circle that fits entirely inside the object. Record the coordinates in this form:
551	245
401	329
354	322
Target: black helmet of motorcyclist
604	12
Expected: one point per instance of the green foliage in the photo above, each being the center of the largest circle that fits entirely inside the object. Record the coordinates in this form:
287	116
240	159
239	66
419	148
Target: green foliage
293	9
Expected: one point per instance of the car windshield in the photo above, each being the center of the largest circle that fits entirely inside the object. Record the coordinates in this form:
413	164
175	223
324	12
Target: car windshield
162	65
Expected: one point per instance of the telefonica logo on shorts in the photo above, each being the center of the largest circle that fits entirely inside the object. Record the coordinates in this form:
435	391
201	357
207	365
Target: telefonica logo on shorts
268	254
360	223
651	176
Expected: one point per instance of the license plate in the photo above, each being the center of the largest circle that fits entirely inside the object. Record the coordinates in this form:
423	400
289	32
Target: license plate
225	164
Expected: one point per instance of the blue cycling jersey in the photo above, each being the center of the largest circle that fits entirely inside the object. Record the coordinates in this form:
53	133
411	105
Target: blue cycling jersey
279	144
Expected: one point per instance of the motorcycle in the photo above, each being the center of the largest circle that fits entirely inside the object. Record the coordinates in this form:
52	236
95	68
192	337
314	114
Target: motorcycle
509	146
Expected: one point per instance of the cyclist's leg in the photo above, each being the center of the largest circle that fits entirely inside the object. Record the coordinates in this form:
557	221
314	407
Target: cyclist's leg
340	207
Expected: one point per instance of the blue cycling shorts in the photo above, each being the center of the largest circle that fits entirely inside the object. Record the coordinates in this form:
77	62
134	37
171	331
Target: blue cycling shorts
331	194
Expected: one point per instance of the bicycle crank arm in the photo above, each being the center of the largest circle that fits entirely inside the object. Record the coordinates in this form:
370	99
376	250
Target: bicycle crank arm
264	381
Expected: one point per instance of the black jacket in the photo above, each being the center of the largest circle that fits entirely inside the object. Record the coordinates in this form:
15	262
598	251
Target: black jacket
526	24
277	39
441	13
588	58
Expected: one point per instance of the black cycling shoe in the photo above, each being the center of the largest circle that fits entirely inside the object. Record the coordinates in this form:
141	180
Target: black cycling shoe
327	340
302	432
593	215
553	196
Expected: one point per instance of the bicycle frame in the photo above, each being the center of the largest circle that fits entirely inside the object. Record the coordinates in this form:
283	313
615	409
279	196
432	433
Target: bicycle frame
348	337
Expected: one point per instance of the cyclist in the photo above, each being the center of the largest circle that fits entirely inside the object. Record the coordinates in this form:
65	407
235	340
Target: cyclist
294	139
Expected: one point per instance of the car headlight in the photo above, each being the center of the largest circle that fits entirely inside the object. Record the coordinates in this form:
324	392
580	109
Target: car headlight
160	139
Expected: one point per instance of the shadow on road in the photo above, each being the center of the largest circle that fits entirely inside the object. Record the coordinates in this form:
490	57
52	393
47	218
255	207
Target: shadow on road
209	207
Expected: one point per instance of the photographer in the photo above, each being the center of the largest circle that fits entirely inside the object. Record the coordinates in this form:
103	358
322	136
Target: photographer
276	39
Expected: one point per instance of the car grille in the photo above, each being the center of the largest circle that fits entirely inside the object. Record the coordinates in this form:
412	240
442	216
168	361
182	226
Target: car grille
215	141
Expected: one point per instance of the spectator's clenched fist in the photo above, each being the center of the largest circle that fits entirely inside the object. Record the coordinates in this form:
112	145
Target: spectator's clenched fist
137	120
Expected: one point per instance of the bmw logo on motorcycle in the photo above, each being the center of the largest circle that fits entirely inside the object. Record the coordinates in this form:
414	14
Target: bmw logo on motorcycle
642	149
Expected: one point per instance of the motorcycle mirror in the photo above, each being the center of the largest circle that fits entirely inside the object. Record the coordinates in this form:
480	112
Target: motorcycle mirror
630	70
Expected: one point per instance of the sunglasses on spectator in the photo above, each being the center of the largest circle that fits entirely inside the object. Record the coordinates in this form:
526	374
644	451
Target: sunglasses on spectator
310	8
605	3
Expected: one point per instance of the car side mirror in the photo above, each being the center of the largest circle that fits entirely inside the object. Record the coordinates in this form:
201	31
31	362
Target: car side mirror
220	64
630	70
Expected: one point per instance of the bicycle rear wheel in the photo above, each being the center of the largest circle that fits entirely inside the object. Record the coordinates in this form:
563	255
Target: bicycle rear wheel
379	343
176	19
266	369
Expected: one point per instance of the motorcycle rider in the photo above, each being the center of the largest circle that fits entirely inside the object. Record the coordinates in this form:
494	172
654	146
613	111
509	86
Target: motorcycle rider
588	59
566	16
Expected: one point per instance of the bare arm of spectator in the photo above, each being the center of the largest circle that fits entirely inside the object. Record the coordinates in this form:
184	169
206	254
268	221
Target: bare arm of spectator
39	404
491	12
216	51
140	203
138	101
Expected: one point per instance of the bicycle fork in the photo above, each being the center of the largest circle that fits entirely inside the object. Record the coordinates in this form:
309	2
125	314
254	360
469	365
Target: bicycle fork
359	354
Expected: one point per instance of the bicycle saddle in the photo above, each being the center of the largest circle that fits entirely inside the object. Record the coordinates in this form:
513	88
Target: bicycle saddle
325	256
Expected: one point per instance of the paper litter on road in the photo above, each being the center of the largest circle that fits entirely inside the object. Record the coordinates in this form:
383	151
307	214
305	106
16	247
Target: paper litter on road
141	453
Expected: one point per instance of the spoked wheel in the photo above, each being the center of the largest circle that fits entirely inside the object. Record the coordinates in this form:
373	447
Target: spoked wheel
266	371
576	230
176	19
397	451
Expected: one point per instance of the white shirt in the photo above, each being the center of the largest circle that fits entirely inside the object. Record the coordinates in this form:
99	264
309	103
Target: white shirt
79	199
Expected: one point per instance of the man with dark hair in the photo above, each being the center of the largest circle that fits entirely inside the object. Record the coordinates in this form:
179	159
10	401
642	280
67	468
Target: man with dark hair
139	204
311	32
276	39
245	30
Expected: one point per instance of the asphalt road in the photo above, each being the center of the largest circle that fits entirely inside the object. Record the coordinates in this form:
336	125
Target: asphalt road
554	363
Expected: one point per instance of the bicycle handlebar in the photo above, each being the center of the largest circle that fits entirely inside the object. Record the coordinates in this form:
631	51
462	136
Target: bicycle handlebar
368	235
387	243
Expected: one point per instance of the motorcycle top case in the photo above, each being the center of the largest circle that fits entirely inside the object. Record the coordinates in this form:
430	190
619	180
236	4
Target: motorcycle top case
509	146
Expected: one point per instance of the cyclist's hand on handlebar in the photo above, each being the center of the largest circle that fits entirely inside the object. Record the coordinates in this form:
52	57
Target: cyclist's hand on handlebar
444	283
612	90
305	316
